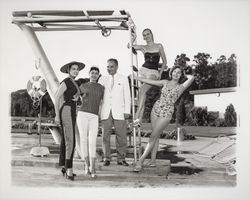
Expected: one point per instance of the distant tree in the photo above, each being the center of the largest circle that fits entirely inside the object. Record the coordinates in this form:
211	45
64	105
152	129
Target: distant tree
222	59
205	74
198	116
230	116
182	61
180	108
232	71
226	72
21	105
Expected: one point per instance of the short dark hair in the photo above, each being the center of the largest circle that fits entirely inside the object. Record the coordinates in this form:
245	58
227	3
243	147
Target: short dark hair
182	77
94	68
113	60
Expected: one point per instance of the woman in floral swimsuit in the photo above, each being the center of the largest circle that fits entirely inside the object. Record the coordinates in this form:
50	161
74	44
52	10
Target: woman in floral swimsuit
163	108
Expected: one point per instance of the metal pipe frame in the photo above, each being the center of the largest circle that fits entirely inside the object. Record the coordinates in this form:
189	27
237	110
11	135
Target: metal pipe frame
75	28
132	28
138	91
45	69
39	19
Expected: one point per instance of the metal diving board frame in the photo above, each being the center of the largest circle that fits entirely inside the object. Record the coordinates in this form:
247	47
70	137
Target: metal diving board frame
105	21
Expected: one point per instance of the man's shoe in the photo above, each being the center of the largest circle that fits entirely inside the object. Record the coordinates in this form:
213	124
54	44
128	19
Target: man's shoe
106	163
123	162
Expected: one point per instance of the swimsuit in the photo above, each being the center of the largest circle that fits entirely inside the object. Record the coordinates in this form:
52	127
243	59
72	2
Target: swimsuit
164	107
151	60
150	66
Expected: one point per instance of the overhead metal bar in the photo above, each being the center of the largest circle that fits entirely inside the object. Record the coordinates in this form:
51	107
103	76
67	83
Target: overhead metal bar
73	29
68	16
91	19
66	12
66	19
80	25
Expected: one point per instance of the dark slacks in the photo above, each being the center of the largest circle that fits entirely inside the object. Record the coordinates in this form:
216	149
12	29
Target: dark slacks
67	146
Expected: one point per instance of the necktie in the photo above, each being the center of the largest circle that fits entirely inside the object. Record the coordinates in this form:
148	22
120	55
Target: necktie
112	82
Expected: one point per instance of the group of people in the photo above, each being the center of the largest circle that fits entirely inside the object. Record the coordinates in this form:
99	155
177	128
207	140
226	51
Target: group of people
109	98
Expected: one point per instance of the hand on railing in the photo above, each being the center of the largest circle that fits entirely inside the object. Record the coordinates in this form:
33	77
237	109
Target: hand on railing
57	121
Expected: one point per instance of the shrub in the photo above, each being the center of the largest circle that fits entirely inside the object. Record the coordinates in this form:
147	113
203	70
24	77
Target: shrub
219	122
180	114
19	126
198	116
230	116
212	117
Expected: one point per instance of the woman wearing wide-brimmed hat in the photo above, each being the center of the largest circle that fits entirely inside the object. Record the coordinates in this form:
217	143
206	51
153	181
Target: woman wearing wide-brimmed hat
65	107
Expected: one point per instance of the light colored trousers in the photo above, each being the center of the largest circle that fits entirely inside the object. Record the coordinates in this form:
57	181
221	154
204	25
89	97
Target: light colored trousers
88	129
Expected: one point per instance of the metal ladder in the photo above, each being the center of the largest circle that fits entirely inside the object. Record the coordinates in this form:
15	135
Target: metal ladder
136	130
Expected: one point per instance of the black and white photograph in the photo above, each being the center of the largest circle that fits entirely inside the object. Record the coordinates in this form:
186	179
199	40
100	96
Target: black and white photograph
124	99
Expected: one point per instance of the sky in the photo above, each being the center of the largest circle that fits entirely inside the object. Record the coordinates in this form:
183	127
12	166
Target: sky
214	27
217	27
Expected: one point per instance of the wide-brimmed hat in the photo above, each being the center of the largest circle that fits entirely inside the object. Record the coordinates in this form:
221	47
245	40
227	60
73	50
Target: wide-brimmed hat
64	68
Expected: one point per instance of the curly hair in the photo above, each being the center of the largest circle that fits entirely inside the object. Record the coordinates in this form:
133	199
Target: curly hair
182	77
94	68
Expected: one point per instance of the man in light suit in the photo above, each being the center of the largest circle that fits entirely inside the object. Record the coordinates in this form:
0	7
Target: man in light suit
115	110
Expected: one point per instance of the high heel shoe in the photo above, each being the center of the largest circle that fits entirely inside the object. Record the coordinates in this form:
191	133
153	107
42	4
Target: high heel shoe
70	177
137	123
93	175
63	170
137	168
86	171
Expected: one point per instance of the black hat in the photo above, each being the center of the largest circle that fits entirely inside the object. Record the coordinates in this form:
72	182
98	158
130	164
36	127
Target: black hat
64	68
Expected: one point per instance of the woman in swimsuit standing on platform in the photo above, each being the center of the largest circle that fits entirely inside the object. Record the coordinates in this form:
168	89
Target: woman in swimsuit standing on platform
152	53
163	108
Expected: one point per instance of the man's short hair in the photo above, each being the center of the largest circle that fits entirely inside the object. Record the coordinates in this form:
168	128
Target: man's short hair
113	60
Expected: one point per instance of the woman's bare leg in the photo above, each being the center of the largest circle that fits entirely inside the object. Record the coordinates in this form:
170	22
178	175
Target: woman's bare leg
142	98
141	103
160	124
154	153
156	146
